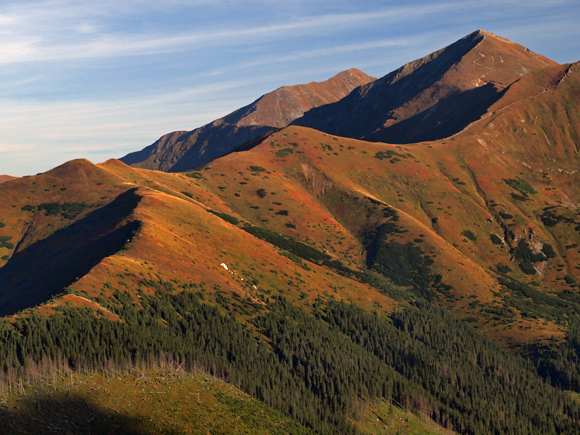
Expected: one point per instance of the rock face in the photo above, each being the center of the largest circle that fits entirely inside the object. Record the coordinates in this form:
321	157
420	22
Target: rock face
430	98
181	150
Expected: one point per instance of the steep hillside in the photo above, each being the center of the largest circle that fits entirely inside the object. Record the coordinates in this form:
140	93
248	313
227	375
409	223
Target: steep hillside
82	237
300	271
432	97
476	221
180	151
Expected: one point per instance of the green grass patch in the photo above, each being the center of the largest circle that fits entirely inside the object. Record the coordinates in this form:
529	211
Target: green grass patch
523	253
535	303
519	197
504	215
257	169
4	242
68	210
469	235
389	155
226	217
284	152
287	243
195	174
520	185
548	251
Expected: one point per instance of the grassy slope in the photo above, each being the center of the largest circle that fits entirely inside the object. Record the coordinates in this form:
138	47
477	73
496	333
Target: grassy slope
168	400
312	187
151	401
442	191
383	418
91	186
178	240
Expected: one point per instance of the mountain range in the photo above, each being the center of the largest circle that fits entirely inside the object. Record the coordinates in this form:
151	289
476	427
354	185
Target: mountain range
427	99
182	150
330	249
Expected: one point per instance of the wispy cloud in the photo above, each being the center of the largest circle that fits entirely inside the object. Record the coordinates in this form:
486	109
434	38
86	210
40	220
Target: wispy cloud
54	34
331	51
106	128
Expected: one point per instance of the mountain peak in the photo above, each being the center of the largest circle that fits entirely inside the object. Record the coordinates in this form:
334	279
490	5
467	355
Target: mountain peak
432	97
480	32
486	34
351	73
282	106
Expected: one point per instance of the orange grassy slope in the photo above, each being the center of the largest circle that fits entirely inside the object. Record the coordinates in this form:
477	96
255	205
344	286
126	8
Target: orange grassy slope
4	178
143	227
469	202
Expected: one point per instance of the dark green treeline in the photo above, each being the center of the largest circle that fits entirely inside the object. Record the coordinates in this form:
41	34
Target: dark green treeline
314	367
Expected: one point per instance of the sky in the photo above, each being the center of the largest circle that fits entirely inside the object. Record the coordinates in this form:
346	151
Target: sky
100	79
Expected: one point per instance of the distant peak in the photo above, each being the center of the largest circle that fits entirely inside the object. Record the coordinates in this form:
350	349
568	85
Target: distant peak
113	163
352	72
4	178
77	162
485	34
480	32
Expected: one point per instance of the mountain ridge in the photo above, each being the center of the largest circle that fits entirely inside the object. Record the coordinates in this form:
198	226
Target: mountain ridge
4	178
429	98
456	82
179	151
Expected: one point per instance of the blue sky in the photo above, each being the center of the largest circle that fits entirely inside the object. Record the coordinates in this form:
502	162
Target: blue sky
99	79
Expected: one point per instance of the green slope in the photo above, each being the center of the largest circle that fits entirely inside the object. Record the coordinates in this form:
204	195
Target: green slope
139	401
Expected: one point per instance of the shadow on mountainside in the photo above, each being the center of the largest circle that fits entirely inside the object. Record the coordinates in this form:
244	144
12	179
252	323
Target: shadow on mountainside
446	118
212	141
366	108
45	268
69	414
